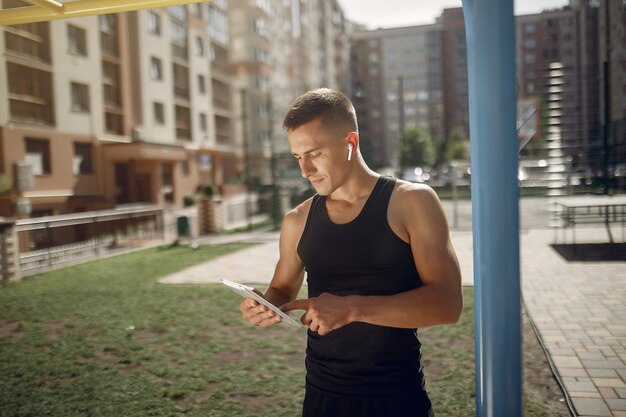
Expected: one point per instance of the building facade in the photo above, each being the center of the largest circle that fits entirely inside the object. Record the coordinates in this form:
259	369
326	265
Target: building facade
281	49
397	80
572	61
113	109
147	106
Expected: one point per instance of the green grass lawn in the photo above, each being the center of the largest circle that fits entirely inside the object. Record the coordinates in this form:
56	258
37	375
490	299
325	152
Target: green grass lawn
105	339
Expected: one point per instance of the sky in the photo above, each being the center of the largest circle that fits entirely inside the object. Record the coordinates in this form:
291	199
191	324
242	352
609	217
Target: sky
395	13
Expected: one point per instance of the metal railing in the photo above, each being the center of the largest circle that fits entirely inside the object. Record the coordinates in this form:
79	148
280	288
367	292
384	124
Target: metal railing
50	241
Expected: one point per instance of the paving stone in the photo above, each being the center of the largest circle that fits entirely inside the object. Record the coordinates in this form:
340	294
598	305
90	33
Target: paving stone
579	386
608	364
558	351
602	373
573	372
609	382
608	352
617	405
581	394
591	407
599	332
621	392
591	356
567	361
619	413
607	392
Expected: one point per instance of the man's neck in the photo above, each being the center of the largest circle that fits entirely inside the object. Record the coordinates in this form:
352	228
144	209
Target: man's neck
359	186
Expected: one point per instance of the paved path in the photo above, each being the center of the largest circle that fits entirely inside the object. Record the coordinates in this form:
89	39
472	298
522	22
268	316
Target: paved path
579	308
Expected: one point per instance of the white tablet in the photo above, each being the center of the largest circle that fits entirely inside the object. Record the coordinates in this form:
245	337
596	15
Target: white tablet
248	292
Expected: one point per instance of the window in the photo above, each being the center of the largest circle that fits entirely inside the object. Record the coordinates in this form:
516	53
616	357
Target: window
179	12
29	39
111	84
108	34
181	81
80	97
260	27
38	155
178	34
167	182
203	124
76	40
218	25
196	9
156	70
159	113
550	53
113	123
262	83
548	23
183	122
201	84
260	54
529	58
529	28
530	43
30	94
83	158
154	23
199	46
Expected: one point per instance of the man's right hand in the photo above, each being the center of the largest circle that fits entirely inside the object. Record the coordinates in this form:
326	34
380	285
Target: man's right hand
258	314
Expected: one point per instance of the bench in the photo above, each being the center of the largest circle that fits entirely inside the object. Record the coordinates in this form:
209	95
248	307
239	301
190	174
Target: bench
600	210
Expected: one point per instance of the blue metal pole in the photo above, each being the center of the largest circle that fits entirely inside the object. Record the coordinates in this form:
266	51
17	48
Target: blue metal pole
490	29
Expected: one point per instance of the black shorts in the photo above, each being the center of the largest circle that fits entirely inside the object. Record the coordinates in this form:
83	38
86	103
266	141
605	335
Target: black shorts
321	404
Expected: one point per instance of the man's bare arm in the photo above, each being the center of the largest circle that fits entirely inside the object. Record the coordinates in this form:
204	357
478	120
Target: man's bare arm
288	274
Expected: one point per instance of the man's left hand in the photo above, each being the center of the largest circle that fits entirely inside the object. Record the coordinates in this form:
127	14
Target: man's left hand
322	314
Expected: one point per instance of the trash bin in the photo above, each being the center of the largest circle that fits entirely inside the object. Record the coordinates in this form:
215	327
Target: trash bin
182	226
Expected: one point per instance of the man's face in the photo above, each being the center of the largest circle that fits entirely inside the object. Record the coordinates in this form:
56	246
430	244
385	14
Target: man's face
321	153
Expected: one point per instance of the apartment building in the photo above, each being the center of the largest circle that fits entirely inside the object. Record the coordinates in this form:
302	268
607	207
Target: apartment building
281	49
572	61
113	109
610	68
454	71
397	80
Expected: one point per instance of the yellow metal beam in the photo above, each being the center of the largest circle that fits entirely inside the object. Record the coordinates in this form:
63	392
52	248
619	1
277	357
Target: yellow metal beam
52	5
32	14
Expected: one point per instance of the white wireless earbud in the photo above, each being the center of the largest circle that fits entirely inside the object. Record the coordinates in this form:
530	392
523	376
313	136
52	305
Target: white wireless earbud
349	151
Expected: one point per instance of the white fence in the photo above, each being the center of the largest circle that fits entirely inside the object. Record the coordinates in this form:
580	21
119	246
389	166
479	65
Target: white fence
113	231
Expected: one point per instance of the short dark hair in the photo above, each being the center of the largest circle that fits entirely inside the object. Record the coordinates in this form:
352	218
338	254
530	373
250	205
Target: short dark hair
331	106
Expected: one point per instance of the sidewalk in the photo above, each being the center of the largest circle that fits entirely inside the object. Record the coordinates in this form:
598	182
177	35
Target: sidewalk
579	308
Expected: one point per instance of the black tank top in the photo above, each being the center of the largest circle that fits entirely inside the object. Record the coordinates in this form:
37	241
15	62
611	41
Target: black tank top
362	257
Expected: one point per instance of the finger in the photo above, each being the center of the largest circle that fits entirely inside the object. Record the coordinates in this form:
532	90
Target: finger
296	305
323	331
305	320
258	314
250	312
270	321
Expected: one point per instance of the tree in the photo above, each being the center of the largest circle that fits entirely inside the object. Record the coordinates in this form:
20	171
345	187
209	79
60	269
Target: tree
457	146
417	147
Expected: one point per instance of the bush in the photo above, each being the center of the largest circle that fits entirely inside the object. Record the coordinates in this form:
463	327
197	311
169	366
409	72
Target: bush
208	190
5	184
189	200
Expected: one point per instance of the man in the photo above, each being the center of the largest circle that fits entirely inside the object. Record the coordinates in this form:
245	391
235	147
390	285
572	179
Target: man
379	265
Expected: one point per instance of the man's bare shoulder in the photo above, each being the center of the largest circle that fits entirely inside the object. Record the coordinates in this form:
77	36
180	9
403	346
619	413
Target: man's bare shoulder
297	216
416	207
410	193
